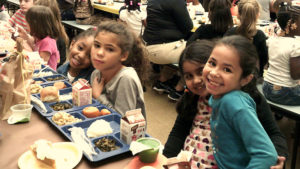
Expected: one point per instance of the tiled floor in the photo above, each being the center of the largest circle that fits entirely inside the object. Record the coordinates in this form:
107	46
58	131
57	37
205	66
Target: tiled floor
161	116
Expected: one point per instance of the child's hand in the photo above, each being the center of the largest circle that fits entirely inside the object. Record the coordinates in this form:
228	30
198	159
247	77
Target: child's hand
280	163
97	87
22	33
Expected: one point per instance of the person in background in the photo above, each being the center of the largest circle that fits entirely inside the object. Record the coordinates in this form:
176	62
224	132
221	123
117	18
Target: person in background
281	82
121	62
80	64
63	39
221	20
134	17
18	19
4	16
66	9
168	26
237	134
44	39
191	131
248	13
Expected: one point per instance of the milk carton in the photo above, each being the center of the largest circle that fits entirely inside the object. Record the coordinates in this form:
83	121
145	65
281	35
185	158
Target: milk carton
81	93
132	126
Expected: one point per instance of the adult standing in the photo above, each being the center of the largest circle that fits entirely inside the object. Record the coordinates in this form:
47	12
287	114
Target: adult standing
168	25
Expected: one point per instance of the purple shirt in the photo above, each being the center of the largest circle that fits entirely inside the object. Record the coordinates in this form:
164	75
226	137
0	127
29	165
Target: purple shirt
49	45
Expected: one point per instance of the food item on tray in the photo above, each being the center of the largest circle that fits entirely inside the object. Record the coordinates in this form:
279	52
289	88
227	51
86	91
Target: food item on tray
36	82
64	97
61	106
44	152
35	88
43	74
59	85
55	78
63	118
91	112
49	94
106	144
99	128
105	112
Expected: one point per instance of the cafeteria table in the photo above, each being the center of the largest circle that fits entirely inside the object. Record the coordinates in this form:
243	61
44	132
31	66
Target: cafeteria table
16	139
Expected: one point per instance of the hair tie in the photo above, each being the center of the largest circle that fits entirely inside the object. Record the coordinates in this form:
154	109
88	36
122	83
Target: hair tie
139	4
94	28
130	2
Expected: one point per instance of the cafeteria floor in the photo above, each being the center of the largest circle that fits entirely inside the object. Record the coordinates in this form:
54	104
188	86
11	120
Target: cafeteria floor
161	115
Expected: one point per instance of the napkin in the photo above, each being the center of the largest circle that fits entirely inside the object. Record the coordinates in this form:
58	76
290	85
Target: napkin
136	147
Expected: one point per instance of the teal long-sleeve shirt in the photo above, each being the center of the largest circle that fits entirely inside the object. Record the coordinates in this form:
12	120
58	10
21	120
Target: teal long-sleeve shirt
239	140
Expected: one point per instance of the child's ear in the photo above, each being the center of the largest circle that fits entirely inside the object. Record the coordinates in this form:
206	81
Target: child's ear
72	43
246	80
124	56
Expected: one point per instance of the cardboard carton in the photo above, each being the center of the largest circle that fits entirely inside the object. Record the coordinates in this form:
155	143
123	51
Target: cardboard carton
82	93
132	126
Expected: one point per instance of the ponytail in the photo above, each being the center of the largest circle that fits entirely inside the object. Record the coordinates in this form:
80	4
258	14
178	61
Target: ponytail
248	12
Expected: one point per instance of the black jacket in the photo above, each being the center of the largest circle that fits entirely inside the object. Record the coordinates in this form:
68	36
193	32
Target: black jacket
167	21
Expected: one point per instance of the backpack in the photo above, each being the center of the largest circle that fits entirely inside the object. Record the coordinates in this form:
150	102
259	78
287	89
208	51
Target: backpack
83	11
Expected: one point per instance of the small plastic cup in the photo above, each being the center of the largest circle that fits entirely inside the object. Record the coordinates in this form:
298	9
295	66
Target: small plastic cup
149	156
21	113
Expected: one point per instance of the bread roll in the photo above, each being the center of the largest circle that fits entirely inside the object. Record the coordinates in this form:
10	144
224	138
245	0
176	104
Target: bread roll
59	85
49	94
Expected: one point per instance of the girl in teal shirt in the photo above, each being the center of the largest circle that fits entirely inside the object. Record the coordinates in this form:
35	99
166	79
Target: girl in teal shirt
239	140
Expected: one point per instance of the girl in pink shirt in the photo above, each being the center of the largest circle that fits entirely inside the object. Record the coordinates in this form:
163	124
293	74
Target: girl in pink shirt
44	29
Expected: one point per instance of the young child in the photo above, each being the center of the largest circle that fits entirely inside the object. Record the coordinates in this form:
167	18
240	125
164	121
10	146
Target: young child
221	20
45	42
134	16
281	81
248	13
79	65
121	63
239	140
18	19
191	131
63	38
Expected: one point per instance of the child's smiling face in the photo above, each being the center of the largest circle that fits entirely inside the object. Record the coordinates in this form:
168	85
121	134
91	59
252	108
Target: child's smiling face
192	74
80	52
25	5
222	73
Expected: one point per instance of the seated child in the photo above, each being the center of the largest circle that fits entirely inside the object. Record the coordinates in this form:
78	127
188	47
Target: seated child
79	65
121	63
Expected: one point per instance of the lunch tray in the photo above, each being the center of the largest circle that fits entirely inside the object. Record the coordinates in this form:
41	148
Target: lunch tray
50	111
114	121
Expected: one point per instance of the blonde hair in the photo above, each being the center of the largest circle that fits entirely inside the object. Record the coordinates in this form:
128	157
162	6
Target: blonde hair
248	13
53	5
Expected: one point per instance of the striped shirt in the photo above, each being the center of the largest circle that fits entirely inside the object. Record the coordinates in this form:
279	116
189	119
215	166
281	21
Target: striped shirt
18	20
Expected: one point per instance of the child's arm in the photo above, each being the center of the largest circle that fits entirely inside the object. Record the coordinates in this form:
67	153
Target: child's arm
45	56
256	140
177	137
23	34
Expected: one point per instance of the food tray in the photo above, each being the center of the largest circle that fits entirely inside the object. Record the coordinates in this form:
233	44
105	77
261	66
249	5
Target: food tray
114	121
50	111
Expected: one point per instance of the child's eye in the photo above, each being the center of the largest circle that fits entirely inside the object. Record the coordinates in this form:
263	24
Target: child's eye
96	45
80	48
187	76
212	63
199	71
110	49
227	70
